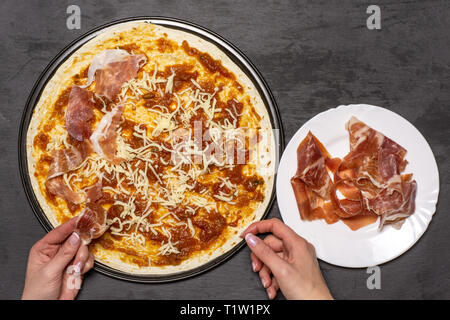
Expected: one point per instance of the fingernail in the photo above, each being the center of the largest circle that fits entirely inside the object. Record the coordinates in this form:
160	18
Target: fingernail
254	267
270	294
251	239
264	283
74	239
79	266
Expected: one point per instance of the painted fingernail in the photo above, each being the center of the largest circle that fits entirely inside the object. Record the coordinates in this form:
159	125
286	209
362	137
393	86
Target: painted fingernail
251	239
74	239
79	266
264	283
254	267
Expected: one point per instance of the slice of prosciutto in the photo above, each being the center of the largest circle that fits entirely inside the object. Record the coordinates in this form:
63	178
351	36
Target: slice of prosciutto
373	156
58	187
111	69
79	112
66	160
312	183
394	205
104	137
91	223
367	183
376	163
94	193
311	166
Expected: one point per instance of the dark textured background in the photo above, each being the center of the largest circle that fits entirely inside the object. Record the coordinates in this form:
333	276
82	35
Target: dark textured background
315	55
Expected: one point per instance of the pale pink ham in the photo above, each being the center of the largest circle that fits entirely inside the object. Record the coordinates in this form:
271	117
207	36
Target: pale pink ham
79	112
91	223
104	137
111	69
58	187
94	192
66	160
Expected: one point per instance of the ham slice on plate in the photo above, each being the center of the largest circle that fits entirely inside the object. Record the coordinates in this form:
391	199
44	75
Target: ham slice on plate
79	112
311	166
111	69
104	137
66	160
367	183
312	184
376	163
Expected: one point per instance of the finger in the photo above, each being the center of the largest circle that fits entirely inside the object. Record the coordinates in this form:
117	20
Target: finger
60	233
89	264
264	275
276	227
66	253
256	263
72	281
71	285
273	242
273	289
81	257
265	253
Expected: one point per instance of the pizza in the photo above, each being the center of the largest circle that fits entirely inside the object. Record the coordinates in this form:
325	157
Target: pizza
160	145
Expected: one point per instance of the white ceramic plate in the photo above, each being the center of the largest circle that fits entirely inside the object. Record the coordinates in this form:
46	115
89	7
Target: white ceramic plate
336	243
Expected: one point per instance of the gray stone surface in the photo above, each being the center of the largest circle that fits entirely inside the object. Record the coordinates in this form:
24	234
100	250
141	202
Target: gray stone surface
315	55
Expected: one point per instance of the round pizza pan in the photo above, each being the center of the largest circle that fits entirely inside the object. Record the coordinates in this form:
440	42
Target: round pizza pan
228	48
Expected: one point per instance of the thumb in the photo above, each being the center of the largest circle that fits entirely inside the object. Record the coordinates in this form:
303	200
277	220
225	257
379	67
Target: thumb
66	253
265	253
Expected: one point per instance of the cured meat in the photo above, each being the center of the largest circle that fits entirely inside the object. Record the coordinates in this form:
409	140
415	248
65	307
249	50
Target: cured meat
301	196
374	166
394	205
66	160
58	187
311	166
372	156
111	69
367	183
94	192
91	223
102	60
104	137
312	183
79	112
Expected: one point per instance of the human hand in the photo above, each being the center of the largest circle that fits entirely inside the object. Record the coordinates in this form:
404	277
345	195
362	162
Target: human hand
48	275
285	261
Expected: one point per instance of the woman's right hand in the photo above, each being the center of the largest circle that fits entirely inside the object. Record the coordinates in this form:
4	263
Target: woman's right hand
56	265
285	261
